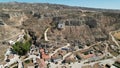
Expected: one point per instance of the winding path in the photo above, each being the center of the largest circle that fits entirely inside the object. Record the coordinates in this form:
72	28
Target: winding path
45	34
113	39
59	49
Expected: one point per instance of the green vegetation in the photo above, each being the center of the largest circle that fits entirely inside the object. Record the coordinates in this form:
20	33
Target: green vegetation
21	48
27	61
117	64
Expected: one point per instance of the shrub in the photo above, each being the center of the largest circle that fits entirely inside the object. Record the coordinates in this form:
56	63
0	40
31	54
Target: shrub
21	48
27	61
117	64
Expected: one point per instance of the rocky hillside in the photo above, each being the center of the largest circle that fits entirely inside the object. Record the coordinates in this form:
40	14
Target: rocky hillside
80	24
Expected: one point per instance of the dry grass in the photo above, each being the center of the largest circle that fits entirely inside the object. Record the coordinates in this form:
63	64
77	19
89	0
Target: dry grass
2	52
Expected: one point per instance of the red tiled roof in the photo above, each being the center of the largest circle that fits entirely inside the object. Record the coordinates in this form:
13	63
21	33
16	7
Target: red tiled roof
41	50
42	64
44	56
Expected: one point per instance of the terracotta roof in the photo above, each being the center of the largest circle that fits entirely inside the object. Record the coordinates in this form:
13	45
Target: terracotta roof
44	56
41	50
42	64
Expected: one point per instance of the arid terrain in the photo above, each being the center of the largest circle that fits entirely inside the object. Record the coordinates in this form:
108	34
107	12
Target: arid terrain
37	17
94	30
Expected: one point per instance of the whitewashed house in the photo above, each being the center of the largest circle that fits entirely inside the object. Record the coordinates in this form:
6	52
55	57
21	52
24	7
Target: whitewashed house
61	25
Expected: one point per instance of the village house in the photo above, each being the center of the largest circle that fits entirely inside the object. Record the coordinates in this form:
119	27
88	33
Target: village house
61	25
8	55
44	55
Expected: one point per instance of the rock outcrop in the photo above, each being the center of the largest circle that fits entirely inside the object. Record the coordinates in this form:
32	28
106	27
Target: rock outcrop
82	24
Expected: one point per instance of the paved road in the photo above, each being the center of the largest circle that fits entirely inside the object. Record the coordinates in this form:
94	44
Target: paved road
12	61
59	62
106	61
59	49
31	57
87	47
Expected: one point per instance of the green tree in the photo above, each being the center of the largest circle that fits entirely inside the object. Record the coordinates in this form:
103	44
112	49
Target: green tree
117	64
21	48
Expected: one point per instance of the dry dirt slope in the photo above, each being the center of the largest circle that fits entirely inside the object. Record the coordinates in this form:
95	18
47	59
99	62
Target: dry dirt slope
82	24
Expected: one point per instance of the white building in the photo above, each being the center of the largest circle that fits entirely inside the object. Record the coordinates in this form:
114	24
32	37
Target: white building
61	25
11	42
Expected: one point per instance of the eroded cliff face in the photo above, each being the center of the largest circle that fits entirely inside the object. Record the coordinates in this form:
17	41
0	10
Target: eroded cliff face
85	26
94	26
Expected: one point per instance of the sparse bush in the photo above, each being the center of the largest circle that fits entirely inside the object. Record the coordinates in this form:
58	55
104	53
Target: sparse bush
27	61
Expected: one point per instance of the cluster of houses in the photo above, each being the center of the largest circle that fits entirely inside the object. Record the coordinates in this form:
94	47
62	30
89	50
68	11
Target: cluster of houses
41	58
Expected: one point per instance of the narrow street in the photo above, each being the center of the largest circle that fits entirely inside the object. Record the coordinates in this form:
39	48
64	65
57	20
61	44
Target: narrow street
59	49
